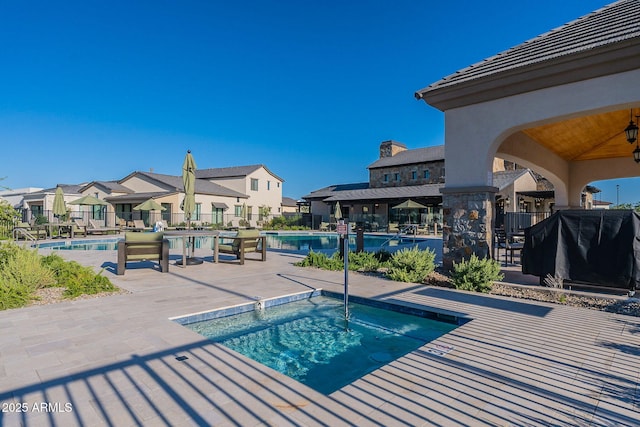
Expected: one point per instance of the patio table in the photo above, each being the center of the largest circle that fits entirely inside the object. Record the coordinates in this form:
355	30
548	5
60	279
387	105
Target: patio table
190	236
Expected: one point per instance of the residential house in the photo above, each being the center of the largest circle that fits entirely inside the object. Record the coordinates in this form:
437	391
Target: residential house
263	189
289	206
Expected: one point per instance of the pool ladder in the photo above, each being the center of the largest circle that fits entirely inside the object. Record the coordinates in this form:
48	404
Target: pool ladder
396	236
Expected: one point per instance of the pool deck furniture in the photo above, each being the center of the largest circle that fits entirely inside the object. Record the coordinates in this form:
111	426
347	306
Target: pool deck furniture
142	247
138	225
79	228
24	230
191	235
94	228
245	241
508	244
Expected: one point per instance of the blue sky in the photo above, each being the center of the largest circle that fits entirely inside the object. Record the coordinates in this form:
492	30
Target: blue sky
95	90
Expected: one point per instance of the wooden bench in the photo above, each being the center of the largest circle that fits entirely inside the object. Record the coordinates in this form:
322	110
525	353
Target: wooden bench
245	241
143	246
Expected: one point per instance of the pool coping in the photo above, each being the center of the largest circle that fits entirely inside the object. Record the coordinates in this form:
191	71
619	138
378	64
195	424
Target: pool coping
445	316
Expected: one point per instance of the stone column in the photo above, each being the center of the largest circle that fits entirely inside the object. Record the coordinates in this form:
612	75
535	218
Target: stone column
468	223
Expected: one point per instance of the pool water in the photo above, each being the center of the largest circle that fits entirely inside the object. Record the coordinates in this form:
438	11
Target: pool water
287	242
309	340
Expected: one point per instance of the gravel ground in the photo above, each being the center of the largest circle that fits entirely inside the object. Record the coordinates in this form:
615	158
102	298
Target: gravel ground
620	305
53	295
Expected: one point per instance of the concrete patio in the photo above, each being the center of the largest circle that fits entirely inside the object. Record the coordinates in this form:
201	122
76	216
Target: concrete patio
111	361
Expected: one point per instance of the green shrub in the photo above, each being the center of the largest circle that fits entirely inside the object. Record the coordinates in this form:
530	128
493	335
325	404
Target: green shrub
77	279
21	274
321	260
411	265
363	261
476	274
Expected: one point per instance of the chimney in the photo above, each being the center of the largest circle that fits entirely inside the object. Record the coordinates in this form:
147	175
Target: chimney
391	148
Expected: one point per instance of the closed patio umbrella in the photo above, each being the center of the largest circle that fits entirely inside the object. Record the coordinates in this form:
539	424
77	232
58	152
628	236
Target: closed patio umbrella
338	212
59	207
189	201
189	182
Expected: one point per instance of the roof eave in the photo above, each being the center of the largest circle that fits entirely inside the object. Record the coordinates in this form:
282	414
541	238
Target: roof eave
607	60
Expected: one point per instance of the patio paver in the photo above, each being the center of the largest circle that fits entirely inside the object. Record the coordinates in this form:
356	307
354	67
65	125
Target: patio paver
113	359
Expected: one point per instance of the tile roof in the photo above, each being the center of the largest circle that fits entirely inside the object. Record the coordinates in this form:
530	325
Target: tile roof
138	197
328	191
233	171
408	191
202	185
615	23
113	186
407	157
288	201
502	179
361	191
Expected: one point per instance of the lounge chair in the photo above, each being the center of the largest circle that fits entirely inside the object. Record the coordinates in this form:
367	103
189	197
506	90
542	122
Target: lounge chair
394	227
79	227
94	228
324	226
138	225
142	247
245	241
24	230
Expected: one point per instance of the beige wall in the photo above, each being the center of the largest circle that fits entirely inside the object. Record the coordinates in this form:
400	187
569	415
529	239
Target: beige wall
495	124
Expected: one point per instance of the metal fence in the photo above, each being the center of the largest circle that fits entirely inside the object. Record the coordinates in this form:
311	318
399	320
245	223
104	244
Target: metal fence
515	221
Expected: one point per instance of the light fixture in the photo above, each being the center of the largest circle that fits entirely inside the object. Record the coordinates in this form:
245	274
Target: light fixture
507	201
636	154
631	131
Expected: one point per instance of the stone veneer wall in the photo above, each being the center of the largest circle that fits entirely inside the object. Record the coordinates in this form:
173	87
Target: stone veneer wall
468	223
436	175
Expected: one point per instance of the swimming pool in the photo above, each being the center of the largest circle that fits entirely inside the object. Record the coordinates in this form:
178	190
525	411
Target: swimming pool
308	339
290	242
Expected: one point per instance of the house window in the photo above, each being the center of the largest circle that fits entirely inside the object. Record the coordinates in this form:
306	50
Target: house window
254	184
386	177
427	174
249	212
237	211
397	176
414	175
196	212
268	185
278	185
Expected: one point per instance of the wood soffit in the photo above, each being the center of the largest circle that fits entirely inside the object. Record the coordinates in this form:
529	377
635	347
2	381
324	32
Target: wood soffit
594	137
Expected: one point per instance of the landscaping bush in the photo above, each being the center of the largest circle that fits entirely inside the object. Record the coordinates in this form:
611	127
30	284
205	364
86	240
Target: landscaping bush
411	265
363	261
21	274
77	279
476	274
24	271
321	260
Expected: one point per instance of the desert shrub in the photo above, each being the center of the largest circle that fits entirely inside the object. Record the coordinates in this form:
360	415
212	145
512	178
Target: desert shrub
476	274
411	265
321	260
21	274
77	279
363	261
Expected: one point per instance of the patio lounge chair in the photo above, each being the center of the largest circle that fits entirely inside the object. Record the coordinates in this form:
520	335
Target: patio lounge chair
138	225
142	247
324	226
245	241
24	230
79	228
94	228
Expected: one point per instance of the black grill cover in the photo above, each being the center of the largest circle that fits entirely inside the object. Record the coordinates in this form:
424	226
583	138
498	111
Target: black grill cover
600	247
